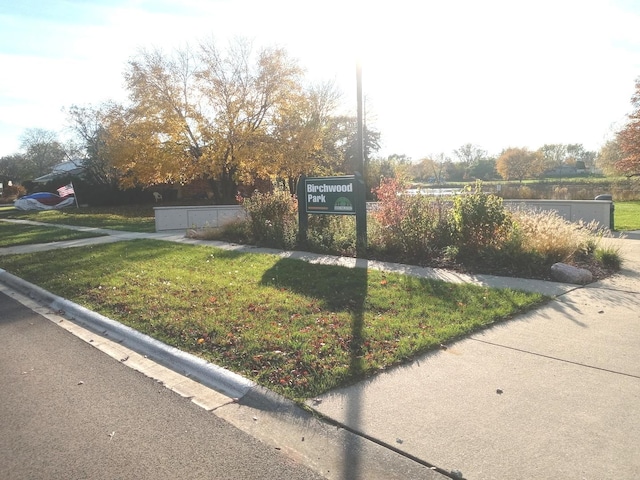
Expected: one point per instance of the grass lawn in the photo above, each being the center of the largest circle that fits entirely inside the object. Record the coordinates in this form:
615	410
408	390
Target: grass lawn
297	328
14	234
626	215
135	218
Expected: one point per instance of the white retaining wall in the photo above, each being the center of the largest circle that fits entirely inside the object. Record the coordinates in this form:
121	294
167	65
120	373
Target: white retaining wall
571	210
182	218
172	219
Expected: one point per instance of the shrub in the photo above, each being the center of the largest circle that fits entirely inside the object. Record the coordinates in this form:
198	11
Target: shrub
479	221
11	192
561	193
408	227
333	234
272	219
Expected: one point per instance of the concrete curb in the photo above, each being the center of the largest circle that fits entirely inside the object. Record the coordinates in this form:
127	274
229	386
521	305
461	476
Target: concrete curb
209	374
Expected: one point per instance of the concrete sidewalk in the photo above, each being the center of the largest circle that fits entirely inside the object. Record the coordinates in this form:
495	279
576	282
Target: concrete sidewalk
554	393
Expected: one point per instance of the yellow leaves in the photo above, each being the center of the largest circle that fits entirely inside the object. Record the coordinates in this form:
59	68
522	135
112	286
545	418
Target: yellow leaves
210	112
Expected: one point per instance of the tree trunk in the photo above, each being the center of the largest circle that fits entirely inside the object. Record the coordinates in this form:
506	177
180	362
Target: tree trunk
225	188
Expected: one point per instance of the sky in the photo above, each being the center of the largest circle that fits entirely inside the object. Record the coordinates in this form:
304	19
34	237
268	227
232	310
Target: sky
435	74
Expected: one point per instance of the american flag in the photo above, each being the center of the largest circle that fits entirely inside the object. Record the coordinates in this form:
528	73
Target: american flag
66	190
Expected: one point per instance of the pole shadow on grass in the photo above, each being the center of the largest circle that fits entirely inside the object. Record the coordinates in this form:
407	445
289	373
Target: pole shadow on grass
339	289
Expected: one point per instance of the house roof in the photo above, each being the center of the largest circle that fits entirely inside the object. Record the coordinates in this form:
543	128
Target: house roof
72	167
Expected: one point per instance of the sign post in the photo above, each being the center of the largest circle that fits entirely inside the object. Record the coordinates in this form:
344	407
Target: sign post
343	195
303	218
359	168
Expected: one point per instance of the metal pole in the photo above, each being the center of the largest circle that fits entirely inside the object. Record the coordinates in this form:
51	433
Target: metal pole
361	205
303	217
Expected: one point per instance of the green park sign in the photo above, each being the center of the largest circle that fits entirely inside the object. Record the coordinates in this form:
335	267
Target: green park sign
334	195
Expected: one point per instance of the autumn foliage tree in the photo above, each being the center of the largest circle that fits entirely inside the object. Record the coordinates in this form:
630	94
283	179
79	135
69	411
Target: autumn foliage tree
95	128
162	134
206	113
432	168
303	137
553	155
243	94
519	163
231	117
629	138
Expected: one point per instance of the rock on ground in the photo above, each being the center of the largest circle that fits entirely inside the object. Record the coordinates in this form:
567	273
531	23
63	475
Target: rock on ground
562	272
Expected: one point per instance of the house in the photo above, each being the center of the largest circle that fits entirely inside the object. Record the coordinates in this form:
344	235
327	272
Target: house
69	168
563	170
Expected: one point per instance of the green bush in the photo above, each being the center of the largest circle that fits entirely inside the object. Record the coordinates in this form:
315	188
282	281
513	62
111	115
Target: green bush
272	221
333	234
609	257
480	221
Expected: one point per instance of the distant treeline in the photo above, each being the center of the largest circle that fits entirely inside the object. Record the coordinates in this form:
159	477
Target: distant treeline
622	189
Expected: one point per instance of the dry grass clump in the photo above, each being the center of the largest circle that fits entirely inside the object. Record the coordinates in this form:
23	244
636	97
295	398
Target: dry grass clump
551	236
236	231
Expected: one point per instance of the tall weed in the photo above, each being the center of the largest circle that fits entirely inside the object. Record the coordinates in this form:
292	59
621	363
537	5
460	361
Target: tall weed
272	219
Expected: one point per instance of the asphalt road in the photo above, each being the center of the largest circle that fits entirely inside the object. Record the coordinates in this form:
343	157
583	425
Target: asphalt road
68	411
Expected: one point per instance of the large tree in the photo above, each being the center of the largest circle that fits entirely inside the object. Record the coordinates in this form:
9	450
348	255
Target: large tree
629	138
13	167
557	154
163	134
609	156
519	163
42	151
432	168
94	128
576	154
226	116
244	92
553	155
468	156
301	138
208	113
